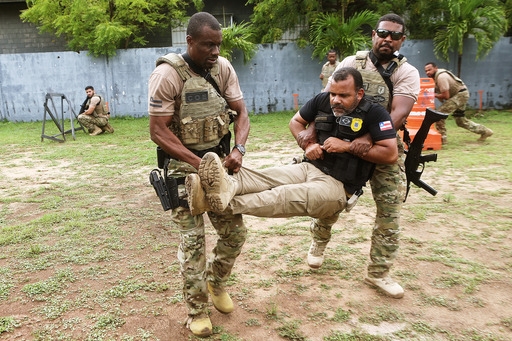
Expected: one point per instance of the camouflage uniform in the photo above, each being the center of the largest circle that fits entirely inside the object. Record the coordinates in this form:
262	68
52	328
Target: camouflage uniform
98	118
388	185
198	115
456	106
327	70
196	271
90	122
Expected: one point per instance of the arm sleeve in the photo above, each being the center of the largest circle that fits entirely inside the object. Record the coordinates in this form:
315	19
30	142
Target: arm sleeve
310	110
406	81
381	125
95	100
163	87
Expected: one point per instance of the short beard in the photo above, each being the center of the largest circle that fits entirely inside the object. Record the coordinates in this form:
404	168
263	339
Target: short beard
383	57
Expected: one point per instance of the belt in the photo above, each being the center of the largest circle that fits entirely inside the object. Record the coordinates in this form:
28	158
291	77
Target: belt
217	150
462	90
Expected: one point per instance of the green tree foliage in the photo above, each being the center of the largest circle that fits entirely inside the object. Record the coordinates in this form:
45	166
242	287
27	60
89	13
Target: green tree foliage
330	31
271	18
508	13
483	19
420	16
238	36
102	26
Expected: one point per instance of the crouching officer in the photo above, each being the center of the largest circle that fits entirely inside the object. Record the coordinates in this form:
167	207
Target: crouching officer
94	114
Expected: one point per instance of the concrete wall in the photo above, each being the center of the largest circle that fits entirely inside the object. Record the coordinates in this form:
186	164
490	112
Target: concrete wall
19	37
279	77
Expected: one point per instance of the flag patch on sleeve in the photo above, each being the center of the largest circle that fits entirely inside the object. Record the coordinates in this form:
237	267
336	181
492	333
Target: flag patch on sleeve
386	125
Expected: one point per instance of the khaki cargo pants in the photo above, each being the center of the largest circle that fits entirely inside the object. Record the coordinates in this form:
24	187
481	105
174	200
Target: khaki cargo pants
288	191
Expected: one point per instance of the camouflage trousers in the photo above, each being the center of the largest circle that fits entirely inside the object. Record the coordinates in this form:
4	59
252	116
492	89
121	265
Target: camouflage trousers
90	122
388	185
456	106
194	267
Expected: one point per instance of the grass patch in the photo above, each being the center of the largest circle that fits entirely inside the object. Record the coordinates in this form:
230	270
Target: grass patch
88	253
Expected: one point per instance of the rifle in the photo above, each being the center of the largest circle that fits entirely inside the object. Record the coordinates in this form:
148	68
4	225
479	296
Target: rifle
82	107
414	161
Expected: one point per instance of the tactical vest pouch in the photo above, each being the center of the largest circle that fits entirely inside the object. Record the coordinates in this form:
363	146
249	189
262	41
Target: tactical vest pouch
324	122
211	129
215	127
190	131
224	120
352	171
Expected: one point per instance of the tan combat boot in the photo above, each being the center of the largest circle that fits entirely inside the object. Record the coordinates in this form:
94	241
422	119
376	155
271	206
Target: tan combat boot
316	254
387	285
488	133
196	196
200	325
220	298
220	188
108	128
97	130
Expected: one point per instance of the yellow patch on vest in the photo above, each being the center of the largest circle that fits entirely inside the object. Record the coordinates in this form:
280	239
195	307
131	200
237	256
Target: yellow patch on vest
356	124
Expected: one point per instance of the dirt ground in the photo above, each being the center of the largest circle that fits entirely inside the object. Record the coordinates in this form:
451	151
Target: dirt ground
454	264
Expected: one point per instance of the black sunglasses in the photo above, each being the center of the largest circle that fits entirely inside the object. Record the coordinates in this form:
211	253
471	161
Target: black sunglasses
384	33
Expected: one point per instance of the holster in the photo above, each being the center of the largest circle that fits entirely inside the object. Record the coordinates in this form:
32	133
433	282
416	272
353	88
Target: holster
166	187
352	201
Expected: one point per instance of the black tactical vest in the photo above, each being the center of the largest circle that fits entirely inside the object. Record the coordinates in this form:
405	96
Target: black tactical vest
345	167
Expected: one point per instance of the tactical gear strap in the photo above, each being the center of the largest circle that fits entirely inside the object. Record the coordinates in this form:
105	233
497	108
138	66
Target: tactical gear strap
386	74
202	72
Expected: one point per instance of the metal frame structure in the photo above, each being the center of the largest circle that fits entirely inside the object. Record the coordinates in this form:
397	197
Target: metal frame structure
60	137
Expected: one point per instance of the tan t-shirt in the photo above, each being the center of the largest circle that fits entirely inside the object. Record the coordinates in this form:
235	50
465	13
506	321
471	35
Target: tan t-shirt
444	82
327	70
165	87
405	79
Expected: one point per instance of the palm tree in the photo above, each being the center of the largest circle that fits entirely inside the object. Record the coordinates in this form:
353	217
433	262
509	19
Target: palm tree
331	31
484	19
238	36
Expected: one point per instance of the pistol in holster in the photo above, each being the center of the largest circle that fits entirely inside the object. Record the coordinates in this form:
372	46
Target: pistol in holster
166	187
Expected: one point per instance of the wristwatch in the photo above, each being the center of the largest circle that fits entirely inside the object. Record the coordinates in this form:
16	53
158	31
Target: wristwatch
241	148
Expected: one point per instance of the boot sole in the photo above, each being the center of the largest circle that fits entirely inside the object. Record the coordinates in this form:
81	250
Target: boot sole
211	172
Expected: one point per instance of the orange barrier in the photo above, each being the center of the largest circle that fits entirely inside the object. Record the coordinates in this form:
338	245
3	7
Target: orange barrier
426	99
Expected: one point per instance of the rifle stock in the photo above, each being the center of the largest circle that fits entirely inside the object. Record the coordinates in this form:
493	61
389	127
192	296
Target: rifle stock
414	161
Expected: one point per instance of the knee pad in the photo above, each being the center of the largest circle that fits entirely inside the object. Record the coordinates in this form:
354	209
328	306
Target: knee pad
458	113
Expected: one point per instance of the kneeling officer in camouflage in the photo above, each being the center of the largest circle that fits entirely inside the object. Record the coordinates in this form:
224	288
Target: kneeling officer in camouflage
94	114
